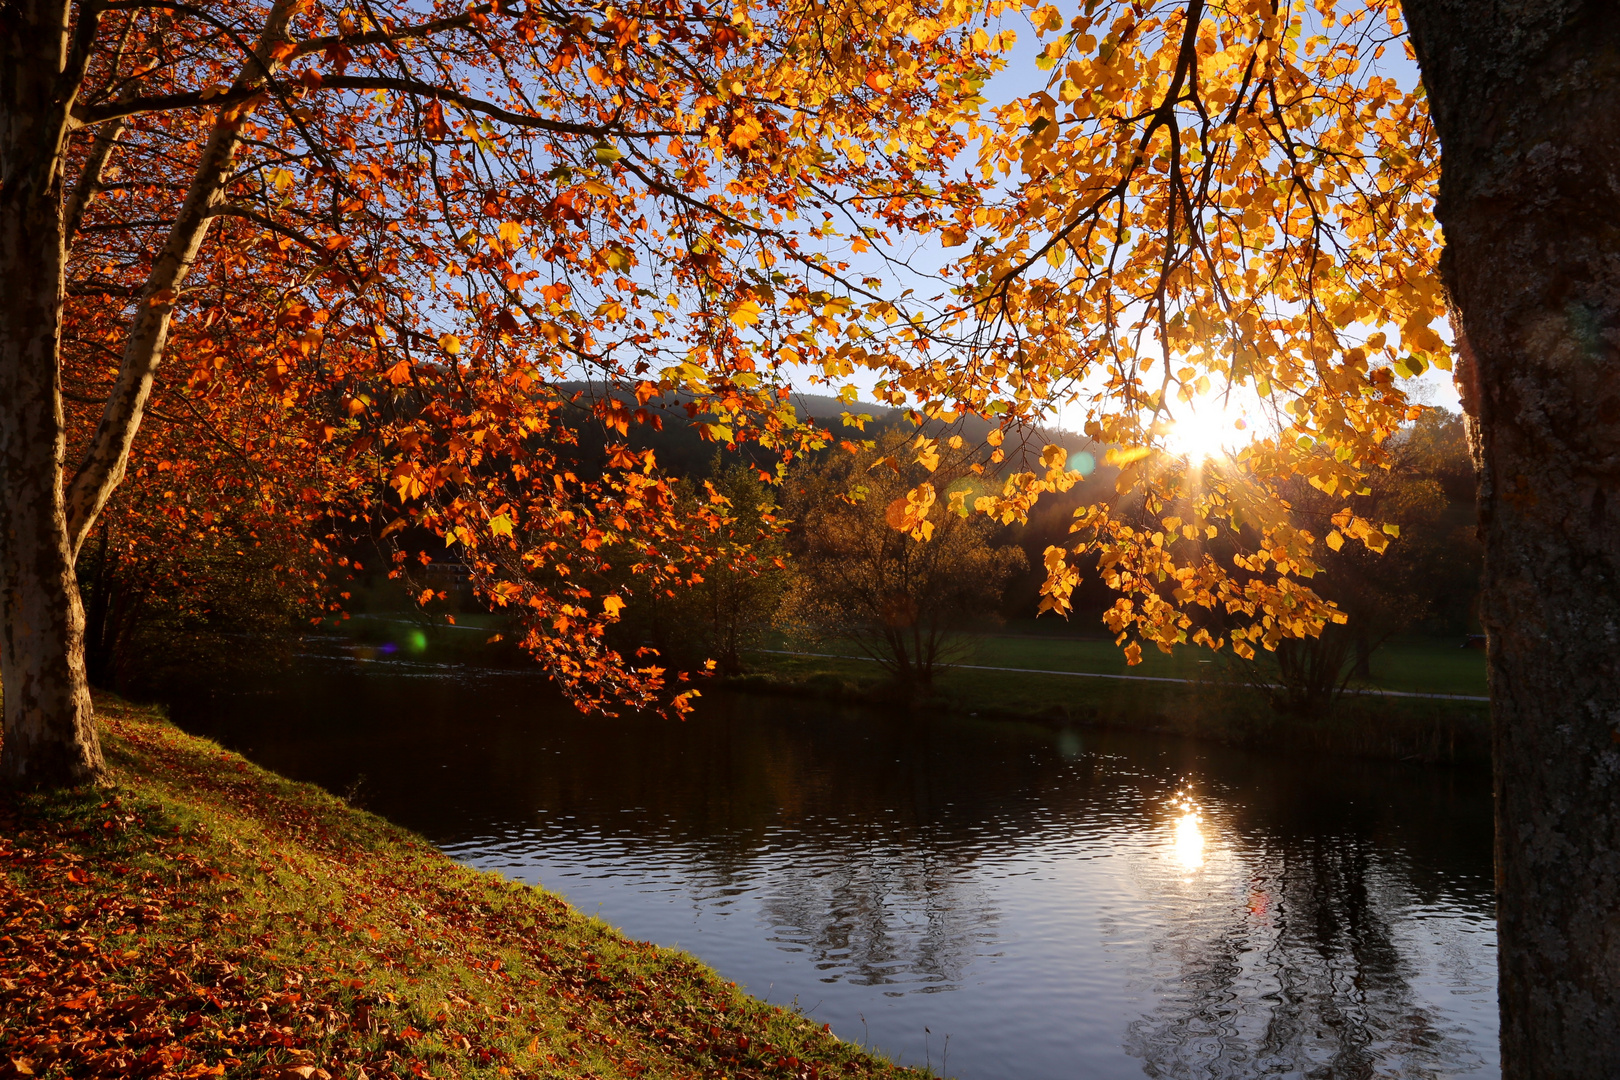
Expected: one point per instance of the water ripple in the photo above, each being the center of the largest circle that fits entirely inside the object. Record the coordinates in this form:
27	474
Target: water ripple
1062	904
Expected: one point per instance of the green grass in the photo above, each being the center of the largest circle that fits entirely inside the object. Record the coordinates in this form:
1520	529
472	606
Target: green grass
1430	666
1084	654
1212	703
1414	665
203	917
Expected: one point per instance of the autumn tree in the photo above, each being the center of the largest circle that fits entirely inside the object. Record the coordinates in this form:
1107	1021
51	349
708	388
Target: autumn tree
731	597
888	555
1427	572
1219	205
204	561
191	575
396	238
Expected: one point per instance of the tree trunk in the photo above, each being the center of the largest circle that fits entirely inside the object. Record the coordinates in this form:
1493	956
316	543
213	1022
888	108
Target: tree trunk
1364	651
49	729
1526	99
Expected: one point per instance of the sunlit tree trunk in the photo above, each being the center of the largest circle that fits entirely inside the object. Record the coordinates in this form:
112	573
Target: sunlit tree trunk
44	50
1526	96
49	733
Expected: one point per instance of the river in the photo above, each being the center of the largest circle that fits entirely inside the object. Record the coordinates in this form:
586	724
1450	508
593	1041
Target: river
998	901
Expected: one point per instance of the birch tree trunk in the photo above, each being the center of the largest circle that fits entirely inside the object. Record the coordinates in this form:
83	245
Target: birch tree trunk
50	734
1526	96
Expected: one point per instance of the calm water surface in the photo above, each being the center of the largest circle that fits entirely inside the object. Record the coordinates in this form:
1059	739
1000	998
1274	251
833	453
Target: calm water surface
999	901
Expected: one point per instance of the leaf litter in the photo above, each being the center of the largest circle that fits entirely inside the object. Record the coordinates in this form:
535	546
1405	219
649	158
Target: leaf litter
202	917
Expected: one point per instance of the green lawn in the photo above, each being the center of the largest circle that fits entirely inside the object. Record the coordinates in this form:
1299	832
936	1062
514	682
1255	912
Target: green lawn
1429	665
1191	692
1411	665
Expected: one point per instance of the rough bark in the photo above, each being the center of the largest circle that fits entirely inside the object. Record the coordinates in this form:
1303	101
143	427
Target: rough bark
50	736
1526	98
49	728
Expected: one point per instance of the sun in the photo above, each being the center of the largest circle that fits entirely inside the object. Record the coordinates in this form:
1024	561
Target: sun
1205	428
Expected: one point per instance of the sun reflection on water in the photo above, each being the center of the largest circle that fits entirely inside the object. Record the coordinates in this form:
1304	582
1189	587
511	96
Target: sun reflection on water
1188	845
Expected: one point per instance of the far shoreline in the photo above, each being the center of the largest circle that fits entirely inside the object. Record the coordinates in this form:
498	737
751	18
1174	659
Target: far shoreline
1367	724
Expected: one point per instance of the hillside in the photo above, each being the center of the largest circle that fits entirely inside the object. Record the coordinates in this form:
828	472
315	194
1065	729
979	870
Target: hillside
203	917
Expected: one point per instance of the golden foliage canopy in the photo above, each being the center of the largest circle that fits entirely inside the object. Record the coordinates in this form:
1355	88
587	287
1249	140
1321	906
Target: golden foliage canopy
1206	203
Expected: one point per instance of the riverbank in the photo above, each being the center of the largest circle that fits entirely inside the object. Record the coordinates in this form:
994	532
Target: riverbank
200	917
1425	704
1173	696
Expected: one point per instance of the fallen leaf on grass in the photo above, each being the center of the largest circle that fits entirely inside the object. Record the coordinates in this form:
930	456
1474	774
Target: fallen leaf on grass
304	1072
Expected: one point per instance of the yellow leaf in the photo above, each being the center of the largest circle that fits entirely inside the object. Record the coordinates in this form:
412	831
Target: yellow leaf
1334	540
745	313
612	605
1125	457
511	234
408	486
450	344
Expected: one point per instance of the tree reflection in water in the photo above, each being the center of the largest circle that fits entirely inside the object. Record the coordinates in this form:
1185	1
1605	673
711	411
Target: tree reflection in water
1306	977
883	917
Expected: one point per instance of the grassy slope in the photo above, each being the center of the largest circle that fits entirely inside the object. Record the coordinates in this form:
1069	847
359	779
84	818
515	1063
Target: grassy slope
203	917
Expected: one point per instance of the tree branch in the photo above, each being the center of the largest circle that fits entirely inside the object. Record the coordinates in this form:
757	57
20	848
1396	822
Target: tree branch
416	88
79	52
196	99
89	184
107	455
391	37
